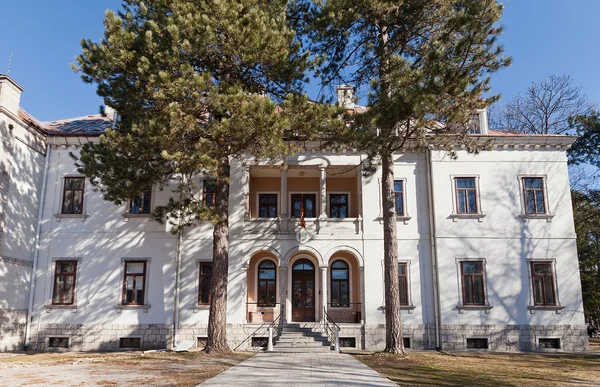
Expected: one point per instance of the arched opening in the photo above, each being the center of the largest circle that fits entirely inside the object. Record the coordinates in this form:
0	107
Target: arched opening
344	296
262	292
340	284
303	291
267	284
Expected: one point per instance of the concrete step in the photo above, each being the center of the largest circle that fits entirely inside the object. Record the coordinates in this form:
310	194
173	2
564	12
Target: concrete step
301	334
302	350
297	340
301	344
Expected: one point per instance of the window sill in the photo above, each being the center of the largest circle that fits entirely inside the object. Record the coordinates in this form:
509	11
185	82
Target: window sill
198	308
408	308
48	307
120	307
548	217
556	308
479	217
126	216
399	218
83	217
462	308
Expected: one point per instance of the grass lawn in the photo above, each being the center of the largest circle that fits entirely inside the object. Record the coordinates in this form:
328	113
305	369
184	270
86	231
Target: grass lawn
479	369
114	369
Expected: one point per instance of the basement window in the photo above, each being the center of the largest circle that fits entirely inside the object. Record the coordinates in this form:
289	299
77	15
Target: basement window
58	342
347	342
406	341
260	342
546	343
130	343
202	341
477	343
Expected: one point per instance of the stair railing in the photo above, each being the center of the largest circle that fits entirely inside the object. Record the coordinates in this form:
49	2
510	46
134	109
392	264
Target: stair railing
269	329
332	330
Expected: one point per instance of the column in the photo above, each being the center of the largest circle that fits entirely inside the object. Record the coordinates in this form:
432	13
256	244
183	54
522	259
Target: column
323	291
244	284
283	200
283	284
323	185
362	295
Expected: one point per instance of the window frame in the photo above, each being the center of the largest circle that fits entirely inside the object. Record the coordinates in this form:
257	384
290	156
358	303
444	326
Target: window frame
291	205
204	191
461	306
257	284
331	280
456	195
55	279
532	302
199	279
348	194
404	213
144	286
278	205
524	197
151	204
407	287
479	215
463	275
64	193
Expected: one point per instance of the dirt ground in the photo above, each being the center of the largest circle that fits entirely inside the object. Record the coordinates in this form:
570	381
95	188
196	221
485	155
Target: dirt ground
113	369
481	369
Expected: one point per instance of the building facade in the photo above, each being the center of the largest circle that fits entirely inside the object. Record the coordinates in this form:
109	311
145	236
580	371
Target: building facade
486	247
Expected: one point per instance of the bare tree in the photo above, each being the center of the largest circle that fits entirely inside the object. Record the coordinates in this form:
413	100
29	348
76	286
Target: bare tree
544	108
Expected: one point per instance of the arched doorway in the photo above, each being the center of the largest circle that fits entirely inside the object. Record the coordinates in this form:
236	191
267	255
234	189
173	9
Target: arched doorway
303	291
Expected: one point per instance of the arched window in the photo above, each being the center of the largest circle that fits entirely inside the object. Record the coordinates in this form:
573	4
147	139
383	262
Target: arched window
267	284
340	284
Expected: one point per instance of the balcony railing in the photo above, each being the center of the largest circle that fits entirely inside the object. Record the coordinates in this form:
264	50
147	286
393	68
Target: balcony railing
314	226
258	314
262	225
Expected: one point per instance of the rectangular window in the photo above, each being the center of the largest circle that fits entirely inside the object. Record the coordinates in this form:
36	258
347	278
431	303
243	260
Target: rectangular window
406	342
204	283
543	284
534	195
72	202
306	203
399	197
477	343
64	283
134	283
472	280
338	206
267	205
130	342
403	283
348	342
210	187
58	342
466	195
549	343
140	203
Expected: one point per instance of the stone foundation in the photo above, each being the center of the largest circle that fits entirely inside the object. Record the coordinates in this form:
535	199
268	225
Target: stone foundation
12	329
514	337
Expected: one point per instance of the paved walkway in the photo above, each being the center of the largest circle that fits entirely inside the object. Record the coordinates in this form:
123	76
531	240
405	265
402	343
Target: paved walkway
300	369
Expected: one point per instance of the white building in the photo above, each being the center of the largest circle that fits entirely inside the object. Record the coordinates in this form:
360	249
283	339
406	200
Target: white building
487	250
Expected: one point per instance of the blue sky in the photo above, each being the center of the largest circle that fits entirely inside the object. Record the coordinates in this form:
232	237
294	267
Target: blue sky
544	37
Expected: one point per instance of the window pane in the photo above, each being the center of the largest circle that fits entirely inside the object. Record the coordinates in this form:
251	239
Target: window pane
68	202
478	289
548	291
129	282
465	182
344	292
343	212
338	199
403	294
462	207
538	291
530	202
534	182
472	268
542	268
206	268
398	186
468	285
139	299
135	267
139	282
266	274
472	200
69	286
339	274
402	268
204	290
339	265
399	204
539	201
268	199
309	206
65	267
308	302
296	205
335	292
77	201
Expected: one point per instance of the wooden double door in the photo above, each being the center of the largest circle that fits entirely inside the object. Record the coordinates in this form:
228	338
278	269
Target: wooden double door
303	291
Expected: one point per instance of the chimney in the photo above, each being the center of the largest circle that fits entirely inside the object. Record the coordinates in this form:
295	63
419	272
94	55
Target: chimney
345	96
10	94
483	121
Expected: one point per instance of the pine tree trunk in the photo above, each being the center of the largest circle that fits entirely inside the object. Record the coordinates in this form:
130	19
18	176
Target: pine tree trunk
393	319
217	319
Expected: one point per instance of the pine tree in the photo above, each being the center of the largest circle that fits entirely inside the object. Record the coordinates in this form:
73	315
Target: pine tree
197	84
425	65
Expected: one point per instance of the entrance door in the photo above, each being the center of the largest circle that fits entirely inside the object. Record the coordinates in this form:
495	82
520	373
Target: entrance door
303	291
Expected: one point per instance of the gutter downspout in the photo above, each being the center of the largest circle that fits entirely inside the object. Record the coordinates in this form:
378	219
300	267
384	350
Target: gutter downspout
434	254
176	295
36	245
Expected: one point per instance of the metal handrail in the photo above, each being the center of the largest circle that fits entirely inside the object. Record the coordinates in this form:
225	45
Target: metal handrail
270	325
332	336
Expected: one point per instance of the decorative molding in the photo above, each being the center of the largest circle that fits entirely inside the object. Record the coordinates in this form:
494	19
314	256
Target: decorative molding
462	308
16	261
